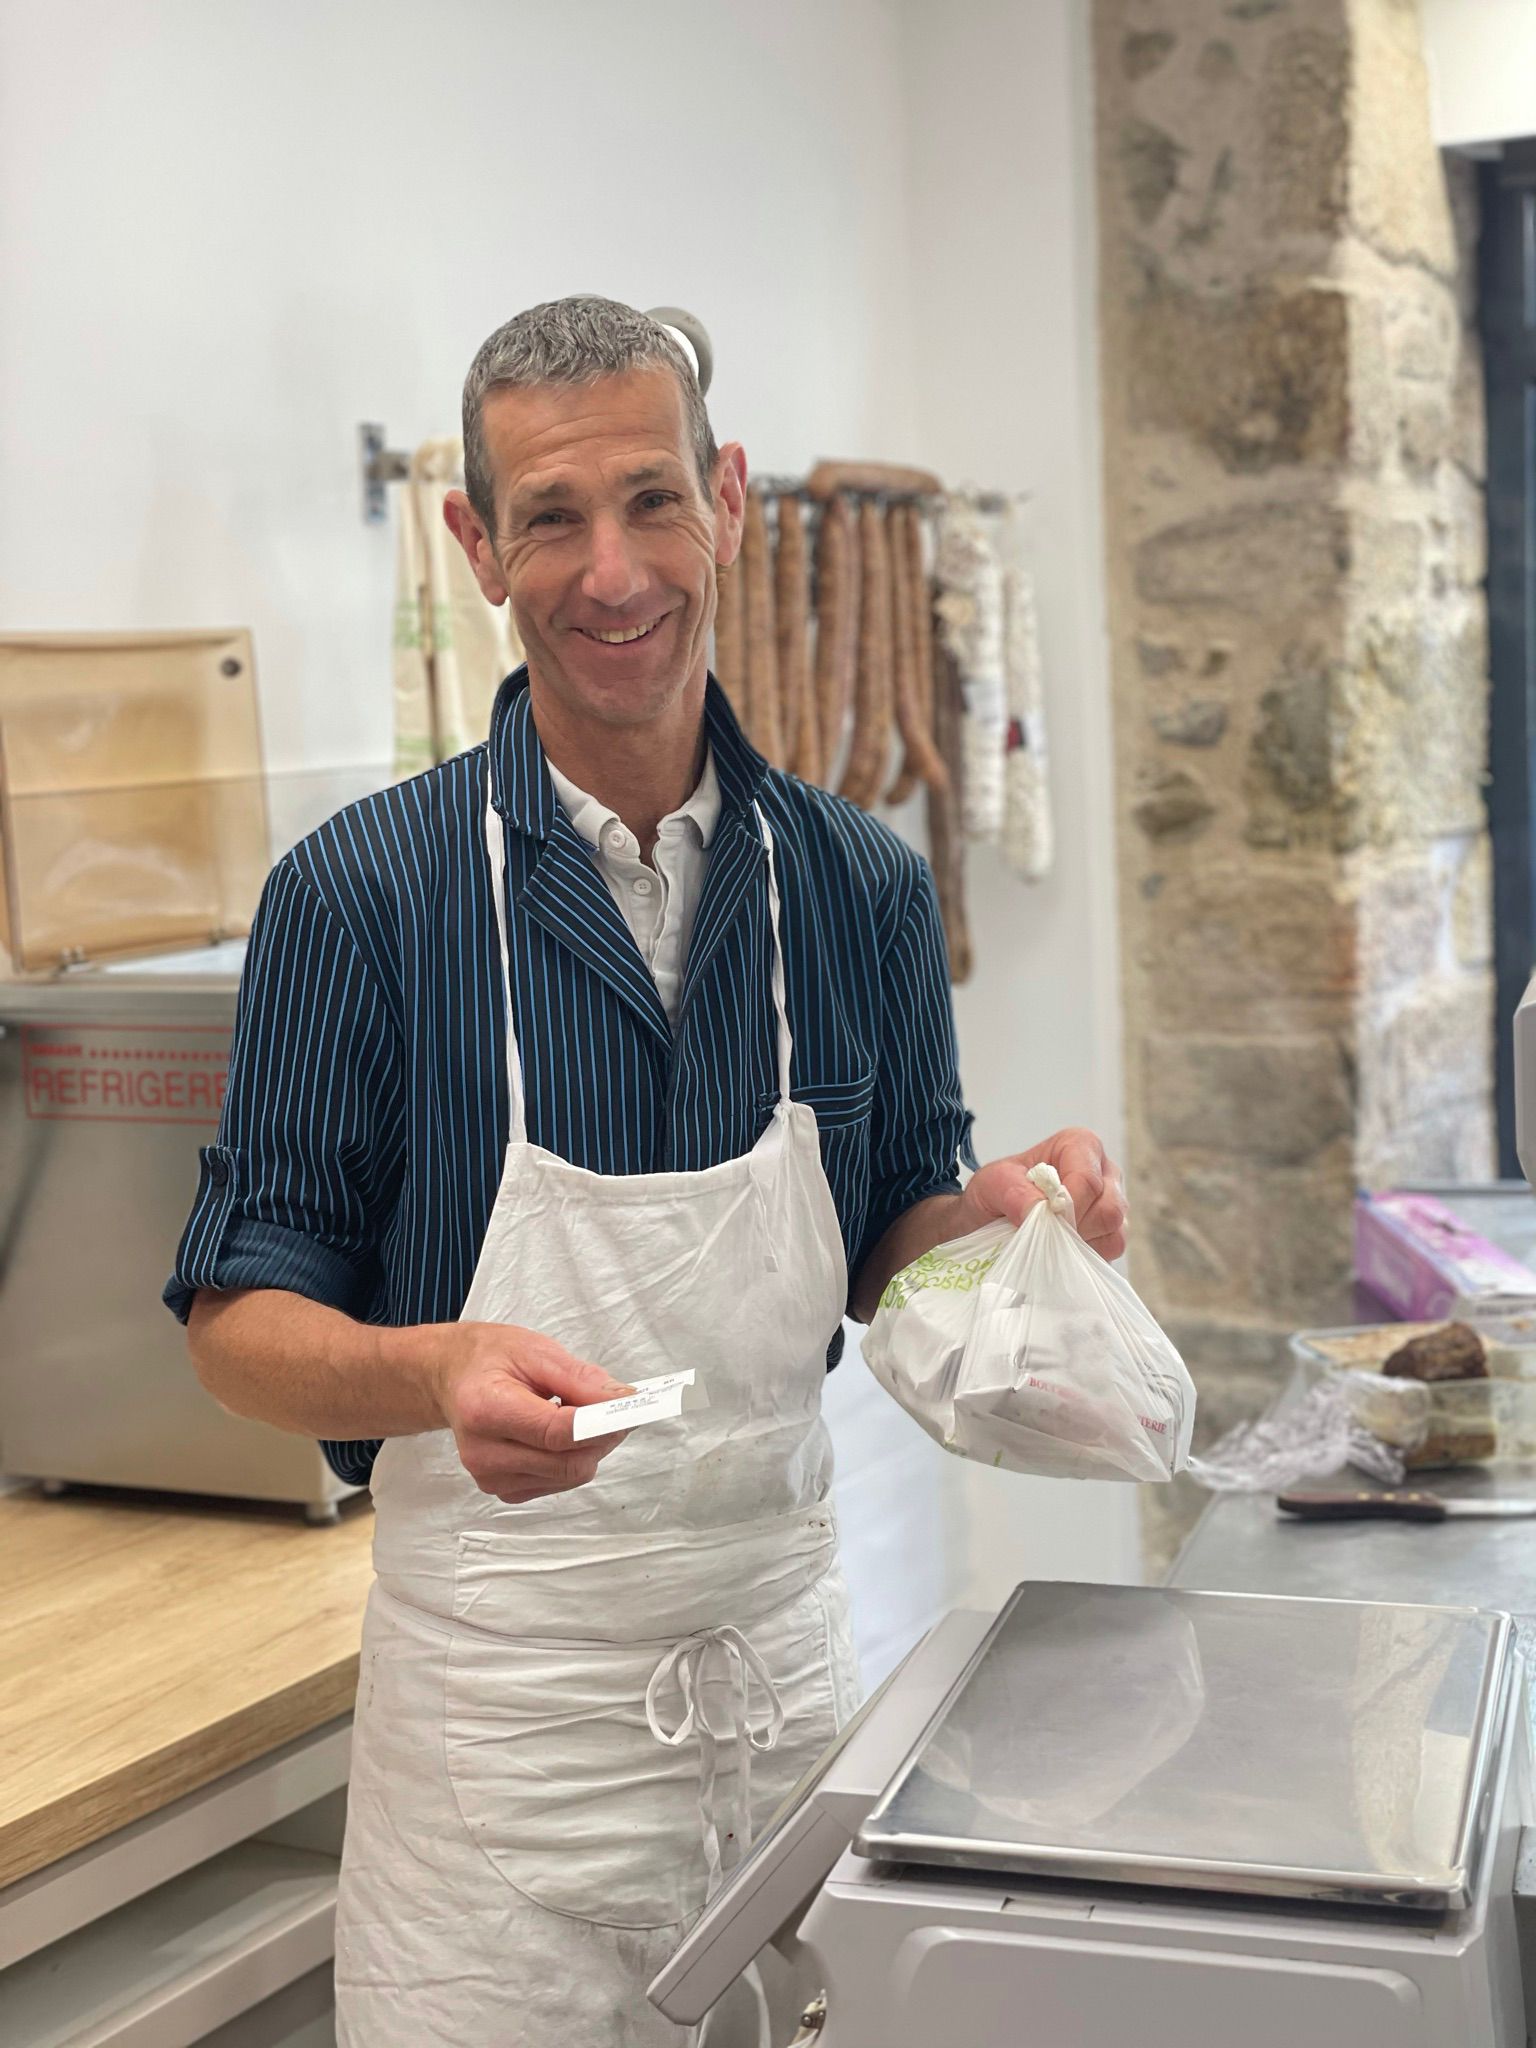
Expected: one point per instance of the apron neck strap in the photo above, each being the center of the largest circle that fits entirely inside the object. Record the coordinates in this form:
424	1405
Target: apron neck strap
496	853
786	1044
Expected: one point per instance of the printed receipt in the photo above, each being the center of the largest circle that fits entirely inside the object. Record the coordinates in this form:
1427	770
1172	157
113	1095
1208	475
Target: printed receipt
655	1400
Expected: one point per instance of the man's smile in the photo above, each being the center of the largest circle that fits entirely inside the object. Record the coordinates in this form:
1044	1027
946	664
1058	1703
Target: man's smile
621	636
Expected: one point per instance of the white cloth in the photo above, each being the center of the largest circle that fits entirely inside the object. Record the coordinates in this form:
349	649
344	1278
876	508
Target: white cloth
970	614
452	649
659	899
415	745
1029	825
565	1709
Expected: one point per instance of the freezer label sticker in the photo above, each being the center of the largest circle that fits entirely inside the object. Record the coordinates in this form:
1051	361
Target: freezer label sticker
656	1400
116	1074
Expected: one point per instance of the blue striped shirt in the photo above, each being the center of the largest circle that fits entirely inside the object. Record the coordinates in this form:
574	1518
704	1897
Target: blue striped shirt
361	1141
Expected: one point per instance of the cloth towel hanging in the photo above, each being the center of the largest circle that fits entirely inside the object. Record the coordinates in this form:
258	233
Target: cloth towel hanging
1029	826
969	606
451	648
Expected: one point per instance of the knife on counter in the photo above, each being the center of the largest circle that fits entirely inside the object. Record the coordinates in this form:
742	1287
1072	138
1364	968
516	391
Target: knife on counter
1347	1505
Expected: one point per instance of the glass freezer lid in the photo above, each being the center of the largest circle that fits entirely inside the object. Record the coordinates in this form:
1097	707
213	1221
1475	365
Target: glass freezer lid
1149	1736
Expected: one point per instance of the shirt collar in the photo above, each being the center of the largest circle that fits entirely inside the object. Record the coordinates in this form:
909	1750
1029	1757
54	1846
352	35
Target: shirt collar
523	793
592	817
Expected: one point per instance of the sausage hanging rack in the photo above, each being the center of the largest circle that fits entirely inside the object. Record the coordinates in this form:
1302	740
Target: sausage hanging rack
382	466
840	635
991	504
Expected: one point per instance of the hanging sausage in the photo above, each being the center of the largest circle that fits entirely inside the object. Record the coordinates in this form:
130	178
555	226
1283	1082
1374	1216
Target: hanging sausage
807	760
912	657
869	748
730	622
946	805
792	609
761	649
837	626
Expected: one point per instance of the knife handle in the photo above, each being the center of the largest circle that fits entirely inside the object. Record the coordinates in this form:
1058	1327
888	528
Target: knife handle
1349	1506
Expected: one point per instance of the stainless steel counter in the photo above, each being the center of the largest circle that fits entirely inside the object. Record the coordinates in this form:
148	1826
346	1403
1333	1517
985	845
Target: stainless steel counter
1243	1544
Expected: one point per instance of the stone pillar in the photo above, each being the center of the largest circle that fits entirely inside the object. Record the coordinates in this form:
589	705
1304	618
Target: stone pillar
1293	471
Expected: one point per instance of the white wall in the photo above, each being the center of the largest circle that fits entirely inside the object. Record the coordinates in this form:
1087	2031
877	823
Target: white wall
1482	70
228	234
1001	192
232	232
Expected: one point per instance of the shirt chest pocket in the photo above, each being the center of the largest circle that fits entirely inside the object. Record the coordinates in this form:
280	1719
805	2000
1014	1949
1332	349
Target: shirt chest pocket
844	1113
842	1106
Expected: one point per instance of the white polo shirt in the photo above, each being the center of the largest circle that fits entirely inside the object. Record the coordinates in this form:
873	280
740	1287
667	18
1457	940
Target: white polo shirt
659	902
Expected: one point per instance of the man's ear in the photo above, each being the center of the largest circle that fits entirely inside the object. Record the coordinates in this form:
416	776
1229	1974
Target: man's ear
730	495
467	528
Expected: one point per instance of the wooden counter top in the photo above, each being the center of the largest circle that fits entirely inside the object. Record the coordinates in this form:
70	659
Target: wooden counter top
147	1649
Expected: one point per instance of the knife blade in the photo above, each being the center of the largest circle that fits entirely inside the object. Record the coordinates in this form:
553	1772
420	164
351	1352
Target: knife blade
1348	1505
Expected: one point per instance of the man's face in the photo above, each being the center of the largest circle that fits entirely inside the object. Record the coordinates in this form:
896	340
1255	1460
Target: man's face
606	541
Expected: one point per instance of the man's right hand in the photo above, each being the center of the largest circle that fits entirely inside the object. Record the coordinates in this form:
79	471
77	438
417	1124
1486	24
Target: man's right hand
495	1384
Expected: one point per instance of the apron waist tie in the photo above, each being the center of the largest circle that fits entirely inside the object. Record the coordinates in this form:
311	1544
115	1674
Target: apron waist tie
722	1661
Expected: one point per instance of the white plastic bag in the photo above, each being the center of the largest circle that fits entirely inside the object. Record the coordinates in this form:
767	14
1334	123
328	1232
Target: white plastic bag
1023	1348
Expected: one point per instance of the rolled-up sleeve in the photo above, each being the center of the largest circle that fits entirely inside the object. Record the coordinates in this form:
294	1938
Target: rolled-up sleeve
296	1189
920	1133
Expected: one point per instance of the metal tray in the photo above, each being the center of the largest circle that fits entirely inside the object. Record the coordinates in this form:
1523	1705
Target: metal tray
1235	1743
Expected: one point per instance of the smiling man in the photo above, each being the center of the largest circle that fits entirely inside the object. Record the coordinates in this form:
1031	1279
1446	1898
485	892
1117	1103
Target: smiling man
600	1052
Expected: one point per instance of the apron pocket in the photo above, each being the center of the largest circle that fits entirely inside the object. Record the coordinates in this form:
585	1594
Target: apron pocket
560	1782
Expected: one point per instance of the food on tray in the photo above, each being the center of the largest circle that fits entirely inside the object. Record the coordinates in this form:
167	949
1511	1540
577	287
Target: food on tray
1362	1350
1453	1352
1489	1412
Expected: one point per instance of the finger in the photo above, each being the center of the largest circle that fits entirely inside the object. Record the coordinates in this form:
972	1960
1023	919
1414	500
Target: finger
500	1468
531	1474
1082	1170
550	1369
520	1496
1106	1214
1007	1190
499	1412
510	1409
499	1419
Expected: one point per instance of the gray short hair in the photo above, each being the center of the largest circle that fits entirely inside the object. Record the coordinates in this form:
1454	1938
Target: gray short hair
572	341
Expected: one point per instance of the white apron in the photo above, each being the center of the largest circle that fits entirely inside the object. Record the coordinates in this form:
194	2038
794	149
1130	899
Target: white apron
570	1714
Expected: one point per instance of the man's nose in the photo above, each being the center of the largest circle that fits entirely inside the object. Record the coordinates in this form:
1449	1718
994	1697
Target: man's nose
614	574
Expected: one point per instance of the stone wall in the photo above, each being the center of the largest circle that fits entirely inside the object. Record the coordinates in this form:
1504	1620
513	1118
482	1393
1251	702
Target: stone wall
1293	454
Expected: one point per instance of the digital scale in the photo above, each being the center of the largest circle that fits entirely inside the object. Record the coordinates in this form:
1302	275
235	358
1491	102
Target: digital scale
1119	1813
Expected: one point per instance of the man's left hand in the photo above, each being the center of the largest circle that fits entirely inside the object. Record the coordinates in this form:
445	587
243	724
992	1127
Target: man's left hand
1087	1172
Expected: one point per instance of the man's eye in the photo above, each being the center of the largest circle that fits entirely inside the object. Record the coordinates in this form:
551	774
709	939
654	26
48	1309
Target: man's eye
543	518
653	501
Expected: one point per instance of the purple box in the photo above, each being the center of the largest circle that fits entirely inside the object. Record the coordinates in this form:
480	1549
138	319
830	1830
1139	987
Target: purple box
1424	1263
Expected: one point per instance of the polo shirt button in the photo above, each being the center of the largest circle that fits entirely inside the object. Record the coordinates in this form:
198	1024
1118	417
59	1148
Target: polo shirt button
218	1171
642	885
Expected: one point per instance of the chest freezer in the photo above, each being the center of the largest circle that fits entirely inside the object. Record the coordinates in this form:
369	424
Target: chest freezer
1150	1815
